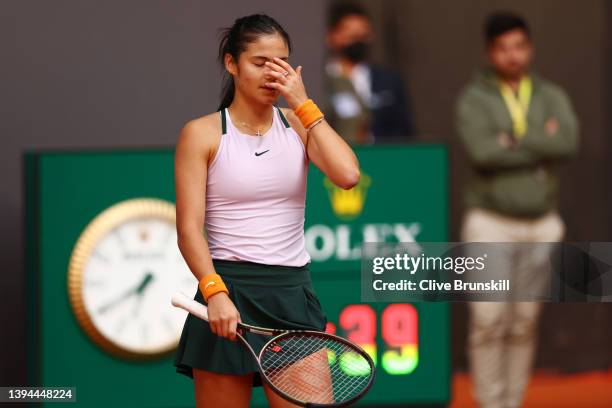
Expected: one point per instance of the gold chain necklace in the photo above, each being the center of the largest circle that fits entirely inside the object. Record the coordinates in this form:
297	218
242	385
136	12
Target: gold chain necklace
257	132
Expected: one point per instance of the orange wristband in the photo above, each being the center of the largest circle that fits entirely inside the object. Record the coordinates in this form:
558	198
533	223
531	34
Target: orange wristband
212	284
308	113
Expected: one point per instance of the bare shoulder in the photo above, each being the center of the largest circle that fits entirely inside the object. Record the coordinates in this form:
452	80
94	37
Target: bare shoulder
201	135
295	123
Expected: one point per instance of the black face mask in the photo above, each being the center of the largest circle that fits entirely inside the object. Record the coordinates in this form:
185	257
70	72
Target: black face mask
355	52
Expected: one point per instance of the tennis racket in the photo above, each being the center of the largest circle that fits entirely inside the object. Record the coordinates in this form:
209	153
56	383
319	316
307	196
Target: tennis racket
307	368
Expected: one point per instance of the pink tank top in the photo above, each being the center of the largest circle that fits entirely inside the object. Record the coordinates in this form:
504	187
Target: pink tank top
255	195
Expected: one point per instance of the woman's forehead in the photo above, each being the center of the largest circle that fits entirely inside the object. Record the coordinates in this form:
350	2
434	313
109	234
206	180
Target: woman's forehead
268	46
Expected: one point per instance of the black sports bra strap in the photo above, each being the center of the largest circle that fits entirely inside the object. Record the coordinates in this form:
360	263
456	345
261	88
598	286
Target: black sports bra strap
223	122
285	122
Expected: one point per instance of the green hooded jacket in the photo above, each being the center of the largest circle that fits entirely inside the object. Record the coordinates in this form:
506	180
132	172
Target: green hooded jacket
519	178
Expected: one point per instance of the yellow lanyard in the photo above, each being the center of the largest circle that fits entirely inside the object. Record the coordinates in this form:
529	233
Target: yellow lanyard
518	107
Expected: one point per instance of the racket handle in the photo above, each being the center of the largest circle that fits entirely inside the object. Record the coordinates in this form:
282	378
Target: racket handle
190	305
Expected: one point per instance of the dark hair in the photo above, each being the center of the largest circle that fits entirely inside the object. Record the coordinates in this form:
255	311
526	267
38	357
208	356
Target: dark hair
340	10
234	41
501	22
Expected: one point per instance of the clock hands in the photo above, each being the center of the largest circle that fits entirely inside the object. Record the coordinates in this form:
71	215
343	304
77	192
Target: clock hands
145	282
138	290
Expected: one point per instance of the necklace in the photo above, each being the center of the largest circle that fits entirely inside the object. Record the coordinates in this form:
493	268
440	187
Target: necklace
253	129
257	132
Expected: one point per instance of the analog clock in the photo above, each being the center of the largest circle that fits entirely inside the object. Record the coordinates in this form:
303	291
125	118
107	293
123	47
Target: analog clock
124	268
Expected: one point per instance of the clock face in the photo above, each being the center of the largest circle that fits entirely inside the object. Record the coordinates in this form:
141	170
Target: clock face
125	277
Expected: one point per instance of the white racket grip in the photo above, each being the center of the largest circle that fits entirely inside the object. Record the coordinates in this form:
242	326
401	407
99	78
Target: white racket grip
195	308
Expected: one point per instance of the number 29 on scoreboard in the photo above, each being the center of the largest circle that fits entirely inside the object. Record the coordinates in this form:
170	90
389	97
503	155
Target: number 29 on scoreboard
398	329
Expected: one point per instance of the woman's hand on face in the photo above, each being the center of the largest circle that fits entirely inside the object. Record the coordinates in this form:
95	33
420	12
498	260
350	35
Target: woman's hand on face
287	81
223	316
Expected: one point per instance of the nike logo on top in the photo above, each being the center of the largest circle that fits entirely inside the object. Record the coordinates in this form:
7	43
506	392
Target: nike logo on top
259	154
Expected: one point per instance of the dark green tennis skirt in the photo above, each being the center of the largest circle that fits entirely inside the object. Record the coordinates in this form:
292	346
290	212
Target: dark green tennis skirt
267	296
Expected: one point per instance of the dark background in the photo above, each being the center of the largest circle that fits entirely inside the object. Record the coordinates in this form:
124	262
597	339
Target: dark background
131	73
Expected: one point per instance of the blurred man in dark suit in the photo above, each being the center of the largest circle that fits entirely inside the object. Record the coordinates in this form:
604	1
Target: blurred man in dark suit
366	103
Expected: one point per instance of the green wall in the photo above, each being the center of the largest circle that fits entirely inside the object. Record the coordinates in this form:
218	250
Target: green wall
406	196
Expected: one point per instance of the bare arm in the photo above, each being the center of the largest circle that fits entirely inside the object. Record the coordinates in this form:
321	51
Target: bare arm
194	151
190	171
325	148
329	152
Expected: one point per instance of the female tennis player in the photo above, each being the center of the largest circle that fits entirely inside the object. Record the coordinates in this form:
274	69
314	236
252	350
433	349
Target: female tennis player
241	173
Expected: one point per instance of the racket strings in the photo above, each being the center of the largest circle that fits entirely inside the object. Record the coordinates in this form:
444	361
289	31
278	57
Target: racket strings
342	389
315	368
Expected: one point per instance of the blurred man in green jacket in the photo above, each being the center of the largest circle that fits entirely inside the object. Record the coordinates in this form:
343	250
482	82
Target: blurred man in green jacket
516	128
